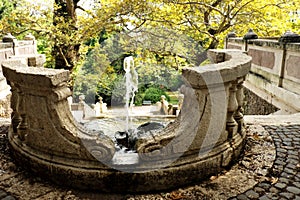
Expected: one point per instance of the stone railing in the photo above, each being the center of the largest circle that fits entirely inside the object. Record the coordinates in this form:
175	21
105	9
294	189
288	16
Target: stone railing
275	66
207	135
211	119
11	48
24	50
43	133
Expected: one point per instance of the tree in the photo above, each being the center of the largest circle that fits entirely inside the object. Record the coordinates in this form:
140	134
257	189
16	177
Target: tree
163	35
66	43
208	21
26	17
6	6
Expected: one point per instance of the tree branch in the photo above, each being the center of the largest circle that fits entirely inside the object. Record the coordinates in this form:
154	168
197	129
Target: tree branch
64	57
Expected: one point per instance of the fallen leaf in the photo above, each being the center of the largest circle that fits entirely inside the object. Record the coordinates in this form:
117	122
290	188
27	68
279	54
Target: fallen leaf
273	180
256	136
213	178
176	196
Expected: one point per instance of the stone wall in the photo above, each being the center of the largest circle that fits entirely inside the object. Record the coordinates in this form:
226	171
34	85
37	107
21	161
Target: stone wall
255	105
11	49
275	69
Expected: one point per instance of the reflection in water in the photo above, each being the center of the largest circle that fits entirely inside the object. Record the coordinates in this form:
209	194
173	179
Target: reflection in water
115	128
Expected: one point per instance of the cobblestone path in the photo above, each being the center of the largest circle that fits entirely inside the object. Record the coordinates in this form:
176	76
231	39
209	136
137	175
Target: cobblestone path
285	170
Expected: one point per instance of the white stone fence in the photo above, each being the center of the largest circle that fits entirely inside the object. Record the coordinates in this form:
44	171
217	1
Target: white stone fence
23	50
275	70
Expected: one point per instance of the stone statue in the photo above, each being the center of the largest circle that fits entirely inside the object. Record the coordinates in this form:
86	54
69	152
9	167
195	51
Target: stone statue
81	104
100	107
164	105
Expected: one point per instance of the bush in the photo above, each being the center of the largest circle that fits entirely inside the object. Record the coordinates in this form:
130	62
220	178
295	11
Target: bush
138	99
153	94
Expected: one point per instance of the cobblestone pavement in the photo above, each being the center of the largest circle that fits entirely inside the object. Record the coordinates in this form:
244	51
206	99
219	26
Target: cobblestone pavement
285	170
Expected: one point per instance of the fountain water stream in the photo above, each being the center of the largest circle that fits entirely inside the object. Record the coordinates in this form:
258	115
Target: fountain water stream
131	78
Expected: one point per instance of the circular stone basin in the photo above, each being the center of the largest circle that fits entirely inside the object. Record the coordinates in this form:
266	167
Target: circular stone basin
109	126
207	135
125	141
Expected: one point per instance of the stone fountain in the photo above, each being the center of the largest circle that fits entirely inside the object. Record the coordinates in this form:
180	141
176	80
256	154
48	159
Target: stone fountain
207	135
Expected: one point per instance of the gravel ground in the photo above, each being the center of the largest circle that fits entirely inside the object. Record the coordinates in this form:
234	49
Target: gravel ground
253	167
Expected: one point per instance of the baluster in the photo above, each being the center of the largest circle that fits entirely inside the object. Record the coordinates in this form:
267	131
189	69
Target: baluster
231	125
23	124
15	116
239	114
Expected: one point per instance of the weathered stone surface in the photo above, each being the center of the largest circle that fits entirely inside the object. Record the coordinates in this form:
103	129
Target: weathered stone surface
2	194
280	185
25	50
287	195
230	46
8	38
200	79
208	134
250	35
293	190
265	197
255	105
32	60
223	186
292	66
251	194
262	58
235	65
274	72
8	198
289	36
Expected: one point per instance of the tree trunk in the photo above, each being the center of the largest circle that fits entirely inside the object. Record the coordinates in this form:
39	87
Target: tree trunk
66	53
203	55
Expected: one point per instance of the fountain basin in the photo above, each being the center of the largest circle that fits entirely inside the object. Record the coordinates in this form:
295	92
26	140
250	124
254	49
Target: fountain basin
207	135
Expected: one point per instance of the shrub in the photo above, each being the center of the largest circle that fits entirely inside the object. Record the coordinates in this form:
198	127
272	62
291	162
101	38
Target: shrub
153	94
138	99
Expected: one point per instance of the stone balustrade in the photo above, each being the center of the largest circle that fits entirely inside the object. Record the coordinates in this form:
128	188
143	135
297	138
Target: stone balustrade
210	127
43	133
207	135
26	49
11	49
274	71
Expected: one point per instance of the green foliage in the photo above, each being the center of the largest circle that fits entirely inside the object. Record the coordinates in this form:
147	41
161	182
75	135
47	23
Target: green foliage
173	97
163	36
153	94
138	99
25	17
95	73
44	46
6	7
116	92
105	61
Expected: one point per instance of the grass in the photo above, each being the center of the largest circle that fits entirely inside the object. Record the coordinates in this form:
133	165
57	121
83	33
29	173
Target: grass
173	97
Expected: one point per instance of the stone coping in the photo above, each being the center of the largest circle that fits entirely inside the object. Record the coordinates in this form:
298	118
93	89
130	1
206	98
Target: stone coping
287	119
229	65
268	42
